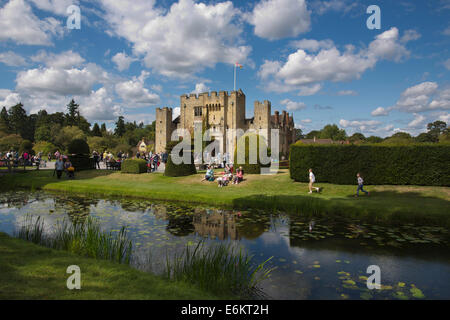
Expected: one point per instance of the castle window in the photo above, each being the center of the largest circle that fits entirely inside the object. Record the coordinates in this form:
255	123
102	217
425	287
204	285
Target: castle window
198	111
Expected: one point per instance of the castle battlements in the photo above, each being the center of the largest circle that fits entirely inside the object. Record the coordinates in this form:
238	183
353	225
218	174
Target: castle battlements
222	111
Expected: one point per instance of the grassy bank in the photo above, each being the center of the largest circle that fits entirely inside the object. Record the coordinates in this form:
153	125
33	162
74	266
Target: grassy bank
391	204
29	271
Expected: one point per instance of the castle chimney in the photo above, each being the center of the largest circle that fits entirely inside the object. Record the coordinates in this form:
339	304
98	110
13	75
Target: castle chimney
277	117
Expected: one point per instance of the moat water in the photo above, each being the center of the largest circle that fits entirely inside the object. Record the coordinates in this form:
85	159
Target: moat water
315	259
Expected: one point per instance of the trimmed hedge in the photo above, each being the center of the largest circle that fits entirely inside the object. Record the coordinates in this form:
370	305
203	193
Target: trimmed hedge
178	170
82	162
246	166
134	166
424	164
78	146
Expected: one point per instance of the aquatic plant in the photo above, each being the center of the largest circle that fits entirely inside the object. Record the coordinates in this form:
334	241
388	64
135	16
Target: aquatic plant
83	238
220	269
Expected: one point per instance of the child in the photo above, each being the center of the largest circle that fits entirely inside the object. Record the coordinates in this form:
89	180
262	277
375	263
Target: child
239	176
360	185
312	179
209	174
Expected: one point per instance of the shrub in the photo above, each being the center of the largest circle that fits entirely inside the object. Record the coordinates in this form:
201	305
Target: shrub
423	164
134	166
44	147
179	170
249	168
82	162
26	146
10	142
78	146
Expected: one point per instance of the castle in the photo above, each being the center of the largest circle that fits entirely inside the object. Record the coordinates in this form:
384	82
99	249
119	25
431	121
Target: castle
220	112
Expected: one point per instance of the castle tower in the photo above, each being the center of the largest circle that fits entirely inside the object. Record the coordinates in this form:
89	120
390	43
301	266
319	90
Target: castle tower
262	121
163	128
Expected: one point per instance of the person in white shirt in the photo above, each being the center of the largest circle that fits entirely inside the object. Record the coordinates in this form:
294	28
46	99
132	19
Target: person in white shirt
360	185
312	179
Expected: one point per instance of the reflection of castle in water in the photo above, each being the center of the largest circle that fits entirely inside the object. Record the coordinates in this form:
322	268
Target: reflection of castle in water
215	224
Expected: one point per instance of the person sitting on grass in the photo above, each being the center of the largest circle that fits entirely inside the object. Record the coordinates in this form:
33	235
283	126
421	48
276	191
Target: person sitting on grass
360	185
209	174
312	179
223	181
239	176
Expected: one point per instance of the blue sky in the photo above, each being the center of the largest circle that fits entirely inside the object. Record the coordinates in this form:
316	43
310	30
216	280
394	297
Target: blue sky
316	59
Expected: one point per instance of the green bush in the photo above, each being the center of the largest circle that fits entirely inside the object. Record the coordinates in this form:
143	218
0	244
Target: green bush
423	164
82	162
26	146
44	147
179	170
249	168
78	146
134	166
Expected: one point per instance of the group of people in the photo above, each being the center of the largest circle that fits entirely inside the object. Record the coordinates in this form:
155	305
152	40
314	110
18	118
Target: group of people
226	177
63	164
21	159
360	180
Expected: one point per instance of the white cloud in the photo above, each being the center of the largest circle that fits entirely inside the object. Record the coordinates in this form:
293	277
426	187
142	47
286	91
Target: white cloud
306	120
276	19
447	64
321	7
312	45
200	88
293	106
146	118
99	105
417	122
9	98
19	24
182	40
410	35
309	90
63	60
362	125
387	46
61	81
58	7
347	93
123	61
134	94
329	64
12	59
380	111
175	113
445	117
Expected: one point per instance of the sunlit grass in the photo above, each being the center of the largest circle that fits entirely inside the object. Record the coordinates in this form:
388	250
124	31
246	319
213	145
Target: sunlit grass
86	239
220	269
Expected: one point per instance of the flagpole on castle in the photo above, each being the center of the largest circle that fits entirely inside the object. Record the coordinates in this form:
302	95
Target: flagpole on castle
235	77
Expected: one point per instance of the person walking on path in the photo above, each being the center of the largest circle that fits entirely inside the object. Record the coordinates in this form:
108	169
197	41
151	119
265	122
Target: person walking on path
312	179
360	185
59	166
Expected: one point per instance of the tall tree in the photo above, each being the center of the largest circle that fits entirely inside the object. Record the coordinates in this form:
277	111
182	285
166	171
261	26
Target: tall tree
4	121
436	128
332	131
18	119
73	113
96	130
120	127
103	129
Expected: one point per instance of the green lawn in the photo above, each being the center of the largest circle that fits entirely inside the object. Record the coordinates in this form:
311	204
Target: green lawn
29	271
391	204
